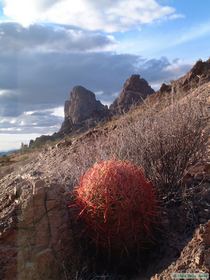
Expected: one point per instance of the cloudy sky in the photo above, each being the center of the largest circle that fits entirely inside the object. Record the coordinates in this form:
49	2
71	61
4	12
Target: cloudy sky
49	46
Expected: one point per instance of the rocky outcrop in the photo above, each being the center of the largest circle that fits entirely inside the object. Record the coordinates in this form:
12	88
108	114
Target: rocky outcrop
194	258
165	88
134	91
197	76
82	110
36	241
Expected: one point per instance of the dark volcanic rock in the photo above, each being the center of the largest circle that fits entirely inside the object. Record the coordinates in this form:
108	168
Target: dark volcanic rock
197	76
165	88
134	91
82	110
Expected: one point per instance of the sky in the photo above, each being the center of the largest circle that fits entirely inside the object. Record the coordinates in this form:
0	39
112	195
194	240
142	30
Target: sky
49	46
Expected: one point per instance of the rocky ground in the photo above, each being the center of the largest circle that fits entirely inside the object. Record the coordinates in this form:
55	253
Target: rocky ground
36	236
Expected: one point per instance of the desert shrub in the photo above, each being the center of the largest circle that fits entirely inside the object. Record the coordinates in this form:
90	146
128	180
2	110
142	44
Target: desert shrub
166	142
117	205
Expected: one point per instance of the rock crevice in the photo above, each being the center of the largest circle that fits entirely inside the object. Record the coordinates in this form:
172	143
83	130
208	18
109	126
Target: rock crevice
38	244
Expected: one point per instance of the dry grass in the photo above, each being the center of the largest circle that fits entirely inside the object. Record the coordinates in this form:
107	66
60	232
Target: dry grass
165	140
166	143
11	162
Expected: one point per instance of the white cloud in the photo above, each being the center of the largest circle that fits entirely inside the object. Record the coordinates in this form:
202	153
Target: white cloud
44	38
4	120
13	129
176	67
10	141
41	121
28	113
58	112
98	93
109	15
105	102
3	92
13	121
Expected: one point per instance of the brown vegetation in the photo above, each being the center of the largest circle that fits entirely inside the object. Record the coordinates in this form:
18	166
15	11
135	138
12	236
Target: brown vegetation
166	142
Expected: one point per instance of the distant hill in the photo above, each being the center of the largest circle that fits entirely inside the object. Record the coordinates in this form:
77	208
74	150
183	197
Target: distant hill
7	153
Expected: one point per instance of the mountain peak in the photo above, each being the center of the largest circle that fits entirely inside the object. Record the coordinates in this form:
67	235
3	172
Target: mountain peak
135	89
80	91
82	109
197	76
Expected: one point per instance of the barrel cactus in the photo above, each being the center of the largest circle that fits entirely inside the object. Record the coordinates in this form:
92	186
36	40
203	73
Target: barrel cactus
117	205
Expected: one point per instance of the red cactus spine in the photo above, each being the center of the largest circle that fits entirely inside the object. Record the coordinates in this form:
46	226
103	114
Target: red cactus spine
117	205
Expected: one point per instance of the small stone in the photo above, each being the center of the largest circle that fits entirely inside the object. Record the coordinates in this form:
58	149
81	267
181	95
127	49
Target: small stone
37	185
199	257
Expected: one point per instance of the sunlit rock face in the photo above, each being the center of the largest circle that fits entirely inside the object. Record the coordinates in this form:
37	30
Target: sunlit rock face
36	240
82	109
134	91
